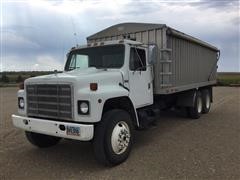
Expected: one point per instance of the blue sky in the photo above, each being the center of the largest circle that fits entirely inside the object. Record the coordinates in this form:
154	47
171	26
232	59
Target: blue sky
36	35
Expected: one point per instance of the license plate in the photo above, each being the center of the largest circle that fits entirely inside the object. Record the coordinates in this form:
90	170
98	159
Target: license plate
73	130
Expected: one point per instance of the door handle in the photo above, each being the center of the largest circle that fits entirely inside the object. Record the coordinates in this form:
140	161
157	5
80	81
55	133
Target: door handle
149	85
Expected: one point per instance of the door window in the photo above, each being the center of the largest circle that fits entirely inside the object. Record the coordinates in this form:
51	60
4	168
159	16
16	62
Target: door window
137	59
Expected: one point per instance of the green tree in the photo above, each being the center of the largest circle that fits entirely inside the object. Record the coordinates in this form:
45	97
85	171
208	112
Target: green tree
19	79
4	78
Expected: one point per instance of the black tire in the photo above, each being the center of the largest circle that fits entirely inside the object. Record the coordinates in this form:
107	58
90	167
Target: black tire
195	111
102	142
41	140
206	98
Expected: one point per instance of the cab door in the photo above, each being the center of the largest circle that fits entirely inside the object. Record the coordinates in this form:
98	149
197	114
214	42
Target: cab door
140	78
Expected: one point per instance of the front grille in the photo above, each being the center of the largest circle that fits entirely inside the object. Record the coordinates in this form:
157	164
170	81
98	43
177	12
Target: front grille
50	101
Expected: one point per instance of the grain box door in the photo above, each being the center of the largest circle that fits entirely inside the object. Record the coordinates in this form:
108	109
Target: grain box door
140	78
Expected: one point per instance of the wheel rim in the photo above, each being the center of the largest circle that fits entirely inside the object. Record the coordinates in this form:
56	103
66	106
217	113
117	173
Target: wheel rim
199	105
207	101
120	137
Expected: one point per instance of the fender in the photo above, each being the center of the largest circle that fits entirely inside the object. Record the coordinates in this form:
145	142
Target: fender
120	95
125	103
97	100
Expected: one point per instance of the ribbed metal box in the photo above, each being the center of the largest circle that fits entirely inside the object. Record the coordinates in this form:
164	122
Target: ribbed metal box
183	61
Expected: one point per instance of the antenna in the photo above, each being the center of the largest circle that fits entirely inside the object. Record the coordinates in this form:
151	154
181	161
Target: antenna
74	30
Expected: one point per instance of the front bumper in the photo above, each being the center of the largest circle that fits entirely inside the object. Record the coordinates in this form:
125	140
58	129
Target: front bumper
50	127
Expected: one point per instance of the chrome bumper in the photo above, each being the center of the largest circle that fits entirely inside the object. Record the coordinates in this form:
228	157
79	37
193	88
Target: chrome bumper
52	128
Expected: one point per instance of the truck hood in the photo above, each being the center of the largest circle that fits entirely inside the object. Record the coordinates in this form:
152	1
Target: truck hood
88	75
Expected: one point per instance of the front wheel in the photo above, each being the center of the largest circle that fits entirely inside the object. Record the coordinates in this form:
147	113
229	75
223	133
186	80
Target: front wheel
113	137
41	140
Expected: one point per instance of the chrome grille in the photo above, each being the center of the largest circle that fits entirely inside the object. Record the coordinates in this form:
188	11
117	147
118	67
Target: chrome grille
50	101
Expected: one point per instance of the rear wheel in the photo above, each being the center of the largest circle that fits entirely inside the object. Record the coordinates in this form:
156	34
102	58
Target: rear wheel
113	137
206	98
195	111
41	140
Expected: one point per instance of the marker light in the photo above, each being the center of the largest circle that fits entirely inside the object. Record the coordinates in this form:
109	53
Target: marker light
93	86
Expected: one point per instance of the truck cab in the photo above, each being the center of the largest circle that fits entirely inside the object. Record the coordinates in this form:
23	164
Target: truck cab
101	82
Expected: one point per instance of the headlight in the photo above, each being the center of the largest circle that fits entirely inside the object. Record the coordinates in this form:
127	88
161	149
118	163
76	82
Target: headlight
83	107
21	103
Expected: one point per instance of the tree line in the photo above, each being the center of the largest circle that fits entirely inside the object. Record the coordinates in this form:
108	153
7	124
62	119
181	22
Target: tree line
5	79
17	77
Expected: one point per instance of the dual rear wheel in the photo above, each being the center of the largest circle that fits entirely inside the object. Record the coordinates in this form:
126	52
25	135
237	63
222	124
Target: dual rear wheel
201	104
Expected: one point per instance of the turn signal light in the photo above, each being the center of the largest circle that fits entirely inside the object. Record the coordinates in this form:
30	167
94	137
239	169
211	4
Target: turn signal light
93	86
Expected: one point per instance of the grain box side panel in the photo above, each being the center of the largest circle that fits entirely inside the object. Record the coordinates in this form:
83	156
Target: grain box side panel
192	63
144	37
138	36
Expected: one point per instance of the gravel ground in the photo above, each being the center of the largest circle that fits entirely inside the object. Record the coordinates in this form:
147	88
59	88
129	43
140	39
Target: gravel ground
177	148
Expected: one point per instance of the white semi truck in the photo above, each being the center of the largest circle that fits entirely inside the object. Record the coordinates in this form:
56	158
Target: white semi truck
118	82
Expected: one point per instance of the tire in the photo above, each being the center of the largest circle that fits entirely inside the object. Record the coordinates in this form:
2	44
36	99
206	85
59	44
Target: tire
41	140
115	125
206	98
195	111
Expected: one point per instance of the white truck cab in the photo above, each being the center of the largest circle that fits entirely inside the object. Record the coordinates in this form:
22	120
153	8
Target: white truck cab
96	77
110	87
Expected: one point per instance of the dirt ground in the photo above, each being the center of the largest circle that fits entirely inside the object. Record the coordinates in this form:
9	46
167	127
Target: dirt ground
177	148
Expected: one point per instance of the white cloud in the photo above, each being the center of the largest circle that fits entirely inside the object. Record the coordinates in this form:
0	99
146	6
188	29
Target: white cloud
48	63
39	63
10	39
74	7
53	24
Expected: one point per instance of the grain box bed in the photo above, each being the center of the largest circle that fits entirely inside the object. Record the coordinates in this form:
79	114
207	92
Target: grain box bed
183	62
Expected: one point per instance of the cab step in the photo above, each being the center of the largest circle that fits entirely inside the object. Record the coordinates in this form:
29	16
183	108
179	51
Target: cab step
147	117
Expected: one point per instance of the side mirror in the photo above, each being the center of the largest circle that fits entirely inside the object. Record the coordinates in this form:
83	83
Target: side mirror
152	54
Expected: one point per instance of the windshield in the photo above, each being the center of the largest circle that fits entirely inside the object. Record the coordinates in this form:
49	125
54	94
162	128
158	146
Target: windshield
111	56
